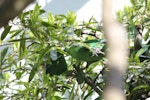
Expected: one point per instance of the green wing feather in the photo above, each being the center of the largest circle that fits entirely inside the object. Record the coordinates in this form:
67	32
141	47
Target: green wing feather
91	52
58	66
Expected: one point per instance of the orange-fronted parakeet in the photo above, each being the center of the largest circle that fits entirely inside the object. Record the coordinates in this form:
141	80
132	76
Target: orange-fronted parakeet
58	64
90	50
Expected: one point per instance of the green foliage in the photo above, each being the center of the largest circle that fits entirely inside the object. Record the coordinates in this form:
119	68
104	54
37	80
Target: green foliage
38	54
54	57
136	19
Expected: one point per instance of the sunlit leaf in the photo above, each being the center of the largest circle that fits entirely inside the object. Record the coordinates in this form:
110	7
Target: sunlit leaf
147	35
6	76
51	18
141	51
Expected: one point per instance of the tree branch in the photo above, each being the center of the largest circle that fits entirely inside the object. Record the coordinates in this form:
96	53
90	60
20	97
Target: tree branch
9	9
117	43
89	81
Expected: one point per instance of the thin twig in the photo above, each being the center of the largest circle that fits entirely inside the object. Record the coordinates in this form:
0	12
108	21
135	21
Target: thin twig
89	81
6	44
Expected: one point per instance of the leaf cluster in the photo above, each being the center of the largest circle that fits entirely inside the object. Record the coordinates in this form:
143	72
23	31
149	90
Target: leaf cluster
36	56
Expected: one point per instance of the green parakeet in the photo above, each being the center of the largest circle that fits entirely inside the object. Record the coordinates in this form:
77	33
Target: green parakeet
58	65
90	51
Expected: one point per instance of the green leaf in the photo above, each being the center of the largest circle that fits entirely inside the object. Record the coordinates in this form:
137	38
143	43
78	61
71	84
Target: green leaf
71	18
147	34
141	51
144	87
45	24
35	14
71	94
138	91
3	54
51	18
89	94
33	71
16	33
99	98
45	79
6	76
18	40
78	32
22	47
5	32
18	74
60	51
79	75
1	96
57	98
22	83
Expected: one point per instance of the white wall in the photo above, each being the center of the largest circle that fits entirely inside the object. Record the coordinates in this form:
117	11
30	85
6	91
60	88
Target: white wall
84	9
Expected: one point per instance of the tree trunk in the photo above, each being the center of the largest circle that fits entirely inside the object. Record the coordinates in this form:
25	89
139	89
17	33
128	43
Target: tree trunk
117	43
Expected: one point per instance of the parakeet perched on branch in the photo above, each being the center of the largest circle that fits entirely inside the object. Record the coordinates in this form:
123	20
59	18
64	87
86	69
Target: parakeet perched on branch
90	50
